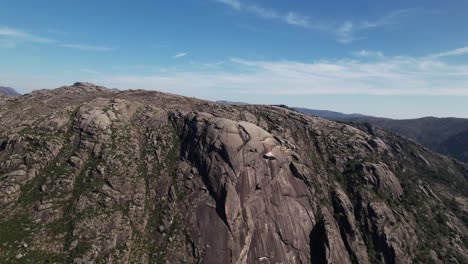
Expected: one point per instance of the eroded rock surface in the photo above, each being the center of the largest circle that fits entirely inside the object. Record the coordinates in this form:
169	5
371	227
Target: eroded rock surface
246	171
92	175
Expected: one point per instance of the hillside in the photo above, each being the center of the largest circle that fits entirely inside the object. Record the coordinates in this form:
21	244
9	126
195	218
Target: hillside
332	115
437	134
8	91
91	175
447	136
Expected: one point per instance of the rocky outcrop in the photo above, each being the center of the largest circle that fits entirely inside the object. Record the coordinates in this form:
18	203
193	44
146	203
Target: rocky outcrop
381	178
349	226
246	171
89	174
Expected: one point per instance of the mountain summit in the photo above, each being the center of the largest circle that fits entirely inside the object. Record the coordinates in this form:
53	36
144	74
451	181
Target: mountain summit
88	174
8	91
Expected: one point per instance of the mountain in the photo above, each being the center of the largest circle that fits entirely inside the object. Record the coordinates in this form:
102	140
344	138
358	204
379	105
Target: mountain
329	114
91	175
230	102
448	136
8	91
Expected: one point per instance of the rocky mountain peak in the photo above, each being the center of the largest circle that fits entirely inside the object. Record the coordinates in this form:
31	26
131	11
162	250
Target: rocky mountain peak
91	175
87	87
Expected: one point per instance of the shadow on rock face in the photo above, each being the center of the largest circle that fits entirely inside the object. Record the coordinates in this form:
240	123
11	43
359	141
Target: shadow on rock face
265	208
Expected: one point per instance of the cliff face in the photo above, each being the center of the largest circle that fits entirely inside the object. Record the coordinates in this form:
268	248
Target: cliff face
92	175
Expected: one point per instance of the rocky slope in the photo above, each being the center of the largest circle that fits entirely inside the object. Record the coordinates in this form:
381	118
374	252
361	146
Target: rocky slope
91	175
8	91
448	136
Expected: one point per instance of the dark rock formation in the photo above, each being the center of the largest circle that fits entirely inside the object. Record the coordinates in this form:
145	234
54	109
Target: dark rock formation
89	174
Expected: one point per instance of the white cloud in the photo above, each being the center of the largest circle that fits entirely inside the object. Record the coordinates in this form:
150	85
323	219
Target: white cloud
374	75
383	76
179	55
296	19
344	32
388	19
368	53
347	32
232	3
262	12
291	18
21	36
455	52
10	37
86	47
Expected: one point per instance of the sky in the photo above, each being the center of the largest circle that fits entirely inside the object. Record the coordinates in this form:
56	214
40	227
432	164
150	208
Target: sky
398	59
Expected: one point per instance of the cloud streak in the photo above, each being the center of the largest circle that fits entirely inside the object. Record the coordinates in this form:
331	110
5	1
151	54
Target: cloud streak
232	3
344	32
347	32
10	37
291	18
455	52
179	55
21	36
362	75
85	47
396	75
368	53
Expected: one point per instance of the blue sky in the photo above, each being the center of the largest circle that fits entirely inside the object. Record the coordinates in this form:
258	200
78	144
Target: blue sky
399	59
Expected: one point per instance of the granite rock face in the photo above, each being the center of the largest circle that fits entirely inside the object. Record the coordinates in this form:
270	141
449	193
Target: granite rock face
89	174
246	172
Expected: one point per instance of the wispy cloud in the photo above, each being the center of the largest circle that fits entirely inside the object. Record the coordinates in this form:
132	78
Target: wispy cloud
232	3
388	19
368	53
86	47
455	52
377	75
344	32
349	30
11	37
291	18
179	55
387	75
22	36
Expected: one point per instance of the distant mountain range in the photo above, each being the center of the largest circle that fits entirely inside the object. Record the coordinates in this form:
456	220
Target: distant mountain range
230	103
329	114
8	91
448	136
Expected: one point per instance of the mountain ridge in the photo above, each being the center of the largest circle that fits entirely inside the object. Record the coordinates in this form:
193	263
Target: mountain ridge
8	91
437	133
433	132
88	174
